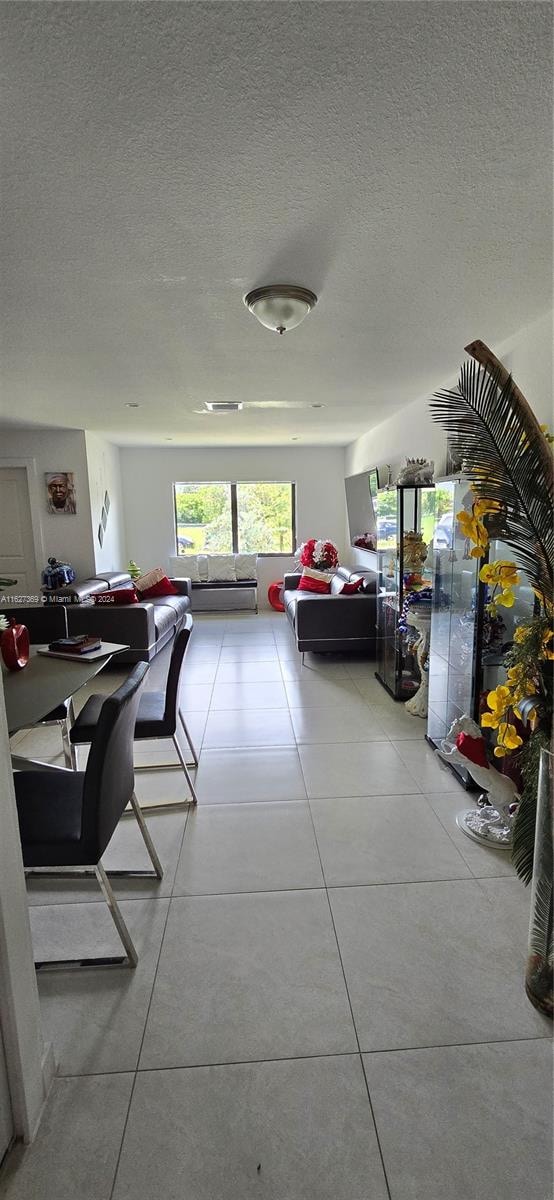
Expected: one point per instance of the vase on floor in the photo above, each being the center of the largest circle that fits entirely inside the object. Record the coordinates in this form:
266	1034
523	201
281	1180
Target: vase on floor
538	975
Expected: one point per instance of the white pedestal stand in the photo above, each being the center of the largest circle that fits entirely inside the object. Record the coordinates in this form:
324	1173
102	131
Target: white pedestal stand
421	620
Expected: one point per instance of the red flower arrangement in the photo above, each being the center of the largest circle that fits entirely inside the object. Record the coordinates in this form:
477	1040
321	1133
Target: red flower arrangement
322	556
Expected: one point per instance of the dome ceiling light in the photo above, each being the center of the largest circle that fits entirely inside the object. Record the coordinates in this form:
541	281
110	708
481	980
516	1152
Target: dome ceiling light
280	306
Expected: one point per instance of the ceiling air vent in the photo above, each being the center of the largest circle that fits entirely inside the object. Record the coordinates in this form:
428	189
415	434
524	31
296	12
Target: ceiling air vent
224	407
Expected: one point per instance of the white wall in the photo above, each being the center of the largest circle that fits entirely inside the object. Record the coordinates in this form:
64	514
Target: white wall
528	356
148	475
411	432
104	475
68	537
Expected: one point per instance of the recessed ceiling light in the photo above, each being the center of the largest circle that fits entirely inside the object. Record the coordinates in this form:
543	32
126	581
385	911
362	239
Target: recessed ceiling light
295	439
168	439
132	406
317	406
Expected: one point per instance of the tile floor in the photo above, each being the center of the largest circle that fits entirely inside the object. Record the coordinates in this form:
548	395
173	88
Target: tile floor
329	1002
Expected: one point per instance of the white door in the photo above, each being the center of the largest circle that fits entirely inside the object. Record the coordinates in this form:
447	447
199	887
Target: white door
17	550
6	1121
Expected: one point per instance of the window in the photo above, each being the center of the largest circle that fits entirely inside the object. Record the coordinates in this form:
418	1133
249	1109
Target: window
245	518
203	518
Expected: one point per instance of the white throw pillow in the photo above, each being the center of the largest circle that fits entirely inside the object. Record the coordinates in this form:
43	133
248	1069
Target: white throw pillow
190	566
246	566
221	568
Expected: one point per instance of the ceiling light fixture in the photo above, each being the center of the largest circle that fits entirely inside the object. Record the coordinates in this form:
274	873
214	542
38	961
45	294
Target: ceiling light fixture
280	306
132	406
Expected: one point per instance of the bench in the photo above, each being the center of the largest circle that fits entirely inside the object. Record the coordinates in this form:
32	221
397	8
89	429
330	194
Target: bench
220	595
224	596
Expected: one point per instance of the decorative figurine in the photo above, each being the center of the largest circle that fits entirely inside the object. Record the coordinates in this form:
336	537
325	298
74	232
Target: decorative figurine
492	823
414	550
56	575
416	471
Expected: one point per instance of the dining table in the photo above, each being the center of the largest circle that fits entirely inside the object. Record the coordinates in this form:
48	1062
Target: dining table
42	685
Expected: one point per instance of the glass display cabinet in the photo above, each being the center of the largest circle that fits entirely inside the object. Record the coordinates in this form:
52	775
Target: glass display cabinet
405	524
467	646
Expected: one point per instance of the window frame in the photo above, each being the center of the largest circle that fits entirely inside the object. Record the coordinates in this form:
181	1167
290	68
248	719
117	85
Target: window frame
234	512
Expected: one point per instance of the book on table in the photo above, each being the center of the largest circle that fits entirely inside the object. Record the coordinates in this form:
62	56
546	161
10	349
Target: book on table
82	643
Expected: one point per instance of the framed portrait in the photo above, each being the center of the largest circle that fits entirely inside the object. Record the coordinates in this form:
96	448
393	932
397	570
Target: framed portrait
104	519
60	493
106	503
101	534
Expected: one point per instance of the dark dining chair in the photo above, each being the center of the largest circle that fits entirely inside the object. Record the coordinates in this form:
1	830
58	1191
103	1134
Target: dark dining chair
46	623
67	818
158	712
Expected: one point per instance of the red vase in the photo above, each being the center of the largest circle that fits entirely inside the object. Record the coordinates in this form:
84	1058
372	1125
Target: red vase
14	644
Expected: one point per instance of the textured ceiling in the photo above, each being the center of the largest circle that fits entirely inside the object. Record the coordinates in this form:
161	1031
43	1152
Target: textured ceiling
160	159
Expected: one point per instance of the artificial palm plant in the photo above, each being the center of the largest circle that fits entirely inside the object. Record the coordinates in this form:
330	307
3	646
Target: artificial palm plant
508	459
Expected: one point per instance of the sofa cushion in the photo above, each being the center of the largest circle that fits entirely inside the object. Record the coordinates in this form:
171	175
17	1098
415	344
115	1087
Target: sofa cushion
222	567
314	581
350	588
78	591
164	587
115	579
179	604
146	581
117	596
165	618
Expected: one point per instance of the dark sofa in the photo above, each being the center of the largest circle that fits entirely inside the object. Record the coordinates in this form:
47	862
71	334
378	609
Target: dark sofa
332	622
145	627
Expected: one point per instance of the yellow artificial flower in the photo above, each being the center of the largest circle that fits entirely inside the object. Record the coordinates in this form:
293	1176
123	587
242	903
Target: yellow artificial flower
547	651
520	635
473	529
483	506
490	720
544	429
501	573
509	737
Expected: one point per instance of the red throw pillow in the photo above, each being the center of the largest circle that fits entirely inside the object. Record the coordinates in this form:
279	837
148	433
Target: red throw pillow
308	583
117	596
164	587
348	589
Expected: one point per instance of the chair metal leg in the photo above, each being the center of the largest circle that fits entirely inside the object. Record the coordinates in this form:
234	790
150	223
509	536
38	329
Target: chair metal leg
129	959
116	915
158	869
186	770
69	750
188	737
